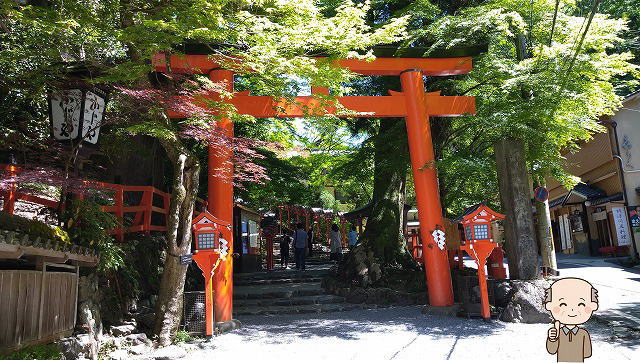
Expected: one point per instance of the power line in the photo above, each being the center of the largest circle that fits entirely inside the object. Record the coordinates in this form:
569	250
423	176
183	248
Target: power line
596	3
553	24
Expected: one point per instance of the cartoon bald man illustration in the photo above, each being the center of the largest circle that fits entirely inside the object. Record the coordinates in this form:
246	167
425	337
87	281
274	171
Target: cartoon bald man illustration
571	302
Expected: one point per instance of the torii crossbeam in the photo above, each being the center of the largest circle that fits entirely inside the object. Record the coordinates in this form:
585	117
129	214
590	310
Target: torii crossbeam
413	103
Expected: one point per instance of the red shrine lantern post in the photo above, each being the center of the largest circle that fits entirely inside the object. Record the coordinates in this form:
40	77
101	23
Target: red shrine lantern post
212	236
479	243
412	103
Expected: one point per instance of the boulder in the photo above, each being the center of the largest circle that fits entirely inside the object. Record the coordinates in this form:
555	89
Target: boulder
526	303
137	339
502	291
226	326
119	354
170	352
137	349
89	296
78	347
120	330
357	296
89	318
361	269
375	272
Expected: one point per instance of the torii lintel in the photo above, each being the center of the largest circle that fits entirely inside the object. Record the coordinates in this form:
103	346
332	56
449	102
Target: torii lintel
362	106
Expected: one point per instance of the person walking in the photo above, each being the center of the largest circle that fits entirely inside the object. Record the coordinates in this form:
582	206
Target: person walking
353	237
285	242
300	238
311	238
335	243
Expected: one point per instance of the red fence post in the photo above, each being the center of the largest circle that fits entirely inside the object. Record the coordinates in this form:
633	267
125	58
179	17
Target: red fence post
119	201
147	202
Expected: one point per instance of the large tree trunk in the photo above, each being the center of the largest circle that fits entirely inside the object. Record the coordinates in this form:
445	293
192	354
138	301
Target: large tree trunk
382	245
383	235
185	188
513	179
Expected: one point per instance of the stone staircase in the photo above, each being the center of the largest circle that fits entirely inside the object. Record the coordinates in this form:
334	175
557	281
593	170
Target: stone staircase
288	291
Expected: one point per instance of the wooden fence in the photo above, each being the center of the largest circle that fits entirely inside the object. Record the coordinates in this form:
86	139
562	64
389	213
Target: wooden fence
36	306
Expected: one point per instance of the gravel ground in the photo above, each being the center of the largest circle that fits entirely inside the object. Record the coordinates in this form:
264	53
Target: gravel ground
399	333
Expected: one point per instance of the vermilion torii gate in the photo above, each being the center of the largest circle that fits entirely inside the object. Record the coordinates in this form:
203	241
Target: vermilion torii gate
412	103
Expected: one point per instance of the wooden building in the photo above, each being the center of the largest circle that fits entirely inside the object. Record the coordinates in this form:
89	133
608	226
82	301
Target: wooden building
593	218
38	288
246	238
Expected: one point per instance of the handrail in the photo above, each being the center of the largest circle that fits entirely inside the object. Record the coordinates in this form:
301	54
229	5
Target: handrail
142	220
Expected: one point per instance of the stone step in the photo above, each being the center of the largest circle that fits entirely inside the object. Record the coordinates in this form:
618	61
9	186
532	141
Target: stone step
292	262
277	291
281	274
293	301
301	309
276	281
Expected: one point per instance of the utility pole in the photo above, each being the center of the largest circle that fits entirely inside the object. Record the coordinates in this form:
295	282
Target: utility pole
545	236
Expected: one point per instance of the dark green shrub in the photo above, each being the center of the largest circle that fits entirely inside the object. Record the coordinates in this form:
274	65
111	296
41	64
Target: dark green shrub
37	352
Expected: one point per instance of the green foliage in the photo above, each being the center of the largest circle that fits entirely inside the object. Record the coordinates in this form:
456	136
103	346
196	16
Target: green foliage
327	199
536	99
182	337
87	225
34	228
35	352
106	348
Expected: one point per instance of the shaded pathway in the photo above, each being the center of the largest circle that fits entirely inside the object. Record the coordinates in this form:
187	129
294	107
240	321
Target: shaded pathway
399	333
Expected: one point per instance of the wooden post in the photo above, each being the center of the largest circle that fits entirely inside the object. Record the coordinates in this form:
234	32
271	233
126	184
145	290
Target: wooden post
43	269
75	304
545	235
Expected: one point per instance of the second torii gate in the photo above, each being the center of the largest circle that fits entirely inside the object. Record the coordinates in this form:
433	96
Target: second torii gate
412	103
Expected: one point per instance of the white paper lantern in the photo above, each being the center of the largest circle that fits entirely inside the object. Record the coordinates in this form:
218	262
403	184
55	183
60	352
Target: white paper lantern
77	114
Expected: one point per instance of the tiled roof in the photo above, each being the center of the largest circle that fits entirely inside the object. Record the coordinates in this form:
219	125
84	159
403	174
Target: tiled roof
586	191
468	211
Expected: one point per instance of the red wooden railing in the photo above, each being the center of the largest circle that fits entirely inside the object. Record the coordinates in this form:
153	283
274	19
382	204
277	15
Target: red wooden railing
142	219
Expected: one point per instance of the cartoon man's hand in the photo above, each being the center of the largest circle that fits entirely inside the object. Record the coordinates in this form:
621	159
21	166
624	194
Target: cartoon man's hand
553	332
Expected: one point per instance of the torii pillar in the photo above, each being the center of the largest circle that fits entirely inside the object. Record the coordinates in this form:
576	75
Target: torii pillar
220	204
426	183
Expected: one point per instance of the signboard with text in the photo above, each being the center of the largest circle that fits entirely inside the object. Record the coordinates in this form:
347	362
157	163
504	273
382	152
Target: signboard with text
186	259
622	226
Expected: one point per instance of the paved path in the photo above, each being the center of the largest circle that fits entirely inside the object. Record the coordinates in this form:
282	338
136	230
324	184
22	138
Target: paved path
400	333
618	287
404	333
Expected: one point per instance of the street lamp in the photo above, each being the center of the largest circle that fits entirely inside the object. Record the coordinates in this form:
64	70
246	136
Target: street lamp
77	113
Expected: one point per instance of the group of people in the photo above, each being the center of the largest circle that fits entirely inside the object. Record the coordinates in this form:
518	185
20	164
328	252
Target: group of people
302	242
